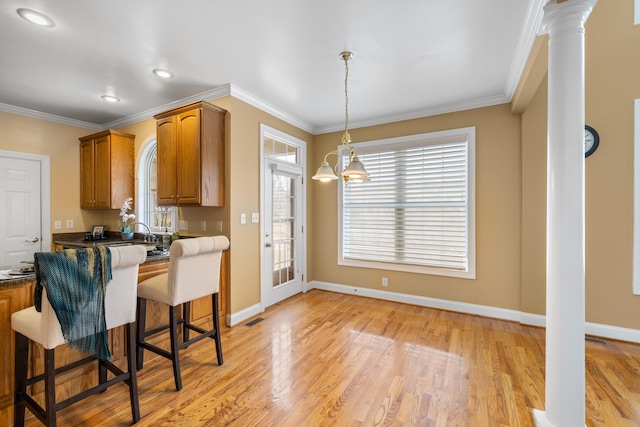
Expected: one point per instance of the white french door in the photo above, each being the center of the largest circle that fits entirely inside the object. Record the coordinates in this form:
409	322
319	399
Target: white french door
283	254
283	200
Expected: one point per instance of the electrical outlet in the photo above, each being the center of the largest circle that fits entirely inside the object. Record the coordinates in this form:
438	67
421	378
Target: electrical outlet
183	225
57	225
219	225
255	217
69	223
203	225
243	218
385	281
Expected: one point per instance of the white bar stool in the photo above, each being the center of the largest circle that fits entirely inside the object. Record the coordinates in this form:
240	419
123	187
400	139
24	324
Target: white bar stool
44	328
194	272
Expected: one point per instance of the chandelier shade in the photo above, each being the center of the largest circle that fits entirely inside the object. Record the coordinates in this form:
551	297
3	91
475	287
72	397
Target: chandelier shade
325	173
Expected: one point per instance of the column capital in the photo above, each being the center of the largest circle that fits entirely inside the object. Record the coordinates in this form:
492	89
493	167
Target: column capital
565	15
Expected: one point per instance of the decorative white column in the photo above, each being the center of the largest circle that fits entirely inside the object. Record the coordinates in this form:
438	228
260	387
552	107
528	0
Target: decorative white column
565	347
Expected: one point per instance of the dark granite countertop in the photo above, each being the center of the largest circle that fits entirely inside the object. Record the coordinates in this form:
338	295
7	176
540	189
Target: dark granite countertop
76	240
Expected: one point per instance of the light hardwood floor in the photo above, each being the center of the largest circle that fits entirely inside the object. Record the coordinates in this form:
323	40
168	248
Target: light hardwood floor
328	359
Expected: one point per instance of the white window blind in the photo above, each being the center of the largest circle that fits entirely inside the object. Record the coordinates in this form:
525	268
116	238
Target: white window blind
415	210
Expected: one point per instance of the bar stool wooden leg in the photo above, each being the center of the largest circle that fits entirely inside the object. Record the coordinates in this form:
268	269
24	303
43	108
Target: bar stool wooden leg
186	315
142	314
216	326
175	357
102	373
20	378
133	379
50	387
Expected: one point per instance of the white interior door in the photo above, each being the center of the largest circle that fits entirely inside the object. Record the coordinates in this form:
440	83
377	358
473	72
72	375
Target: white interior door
20	214
283	247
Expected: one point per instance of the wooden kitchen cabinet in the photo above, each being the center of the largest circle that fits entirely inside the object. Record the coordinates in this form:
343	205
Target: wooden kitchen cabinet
106	169
190	142
12	298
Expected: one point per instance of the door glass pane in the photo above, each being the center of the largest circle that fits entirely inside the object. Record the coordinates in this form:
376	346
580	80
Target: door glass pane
283	215
280	150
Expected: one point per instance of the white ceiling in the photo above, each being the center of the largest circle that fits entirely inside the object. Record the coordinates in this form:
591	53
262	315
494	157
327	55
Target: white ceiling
412	58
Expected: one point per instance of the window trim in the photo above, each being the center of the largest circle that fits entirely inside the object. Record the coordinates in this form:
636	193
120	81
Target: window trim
468	134
144	158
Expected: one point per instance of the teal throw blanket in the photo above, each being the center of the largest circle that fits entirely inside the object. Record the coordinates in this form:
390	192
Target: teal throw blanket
76	282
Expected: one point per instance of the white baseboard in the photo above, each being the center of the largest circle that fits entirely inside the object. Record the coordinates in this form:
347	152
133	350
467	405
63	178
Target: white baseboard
533	319
242	315
463	307
596	329
613	332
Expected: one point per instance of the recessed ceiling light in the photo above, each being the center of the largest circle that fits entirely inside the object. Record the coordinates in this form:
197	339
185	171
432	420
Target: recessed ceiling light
36	17
165	74
110	98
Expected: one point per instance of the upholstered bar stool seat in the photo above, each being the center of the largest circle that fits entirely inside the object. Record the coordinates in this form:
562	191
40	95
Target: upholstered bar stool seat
194	272
44	328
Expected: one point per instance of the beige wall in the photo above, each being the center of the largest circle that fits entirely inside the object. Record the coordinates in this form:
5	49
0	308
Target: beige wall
497	213
534	202
612	83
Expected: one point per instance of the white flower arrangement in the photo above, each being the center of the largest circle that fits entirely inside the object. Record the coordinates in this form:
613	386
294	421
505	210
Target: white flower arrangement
126	207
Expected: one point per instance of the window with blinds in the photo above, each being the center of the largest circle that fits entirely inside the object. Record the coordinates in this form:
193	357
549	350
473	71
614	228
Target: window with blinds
417	213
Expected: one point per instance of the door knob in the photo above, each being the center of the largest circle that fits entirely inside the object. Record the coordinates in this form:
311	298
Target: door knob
268	245
35	239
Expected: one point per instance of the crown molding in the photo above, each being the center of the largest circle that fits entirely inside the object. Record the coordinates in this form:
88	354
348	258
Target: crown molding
12	109
533	20
253	100
442	109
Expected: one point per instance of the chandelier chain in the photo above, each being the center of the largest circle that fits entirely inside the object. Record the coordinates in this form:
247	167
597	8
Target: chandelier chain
346	94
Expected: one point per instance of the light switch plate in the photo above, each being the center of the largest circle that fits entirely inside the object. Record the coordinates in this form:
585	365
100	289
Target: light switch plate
243	218
183	225
69	223
255	217
57	225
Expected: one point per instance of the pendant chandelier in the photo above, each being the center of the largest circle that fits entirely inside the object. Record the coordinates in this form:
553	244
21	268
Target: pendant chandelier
355	171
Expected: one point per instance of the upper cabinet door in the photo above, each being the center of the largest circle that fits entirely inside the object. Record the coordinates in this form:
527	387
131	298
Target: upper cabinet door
167	160
102	174
87	169
189	170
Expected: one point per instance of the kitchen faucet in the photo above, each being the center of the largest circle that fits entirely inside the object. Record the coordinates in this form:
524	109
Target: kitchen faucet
149	237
